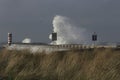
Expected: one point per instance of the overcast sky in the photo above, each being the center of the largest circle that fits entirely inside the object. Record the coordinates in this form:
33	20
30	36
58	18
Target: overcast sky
33	18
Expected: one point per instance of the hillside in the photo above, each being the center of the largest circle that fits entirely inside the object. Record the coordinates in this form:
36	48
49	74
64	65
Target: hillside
97	64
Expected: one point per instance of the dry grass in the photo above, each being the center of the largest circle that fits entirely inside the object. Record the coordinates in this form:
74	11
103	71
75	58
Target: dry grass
97	64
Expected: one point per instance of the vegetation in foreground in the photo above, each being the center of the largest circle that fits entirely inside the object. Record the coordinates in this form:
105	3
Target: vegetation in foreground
97	64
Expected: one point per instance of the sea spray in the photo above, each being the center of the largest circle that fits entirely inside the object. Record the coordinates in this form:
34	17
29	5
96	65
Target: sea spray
67	33
27	40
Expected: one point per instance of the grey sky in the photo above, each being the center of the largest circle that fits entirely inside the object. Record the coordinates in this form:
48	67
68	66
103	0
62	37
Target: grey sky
33	18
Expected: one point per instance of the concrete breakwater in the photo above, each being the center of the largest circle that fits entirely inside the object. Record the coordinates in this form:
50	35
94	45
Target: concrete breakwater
51	48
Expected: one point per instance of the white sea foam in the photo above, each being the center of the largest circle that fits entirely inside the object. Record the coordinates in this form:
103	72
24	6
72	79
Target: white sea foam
68	33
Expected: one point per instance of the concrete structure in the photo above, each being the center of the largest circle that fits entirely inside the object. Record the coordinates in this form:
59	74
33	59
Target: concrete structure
43	47
39	47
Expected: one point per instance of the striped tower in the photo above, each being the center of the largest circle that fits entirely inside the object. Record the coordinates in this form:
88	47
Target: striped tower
9	38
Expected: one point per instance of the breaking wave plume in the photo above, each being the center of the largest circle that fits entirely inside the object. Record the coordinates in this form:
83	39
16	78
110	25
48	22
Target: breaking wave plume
67	33
26	40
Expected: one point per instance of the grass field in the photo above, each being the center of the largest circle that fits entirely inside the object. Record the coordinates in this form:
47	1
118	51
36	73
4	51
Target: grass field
97	64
